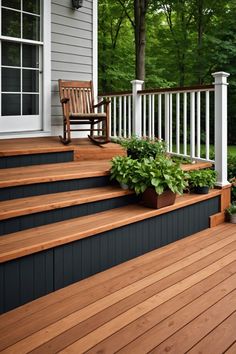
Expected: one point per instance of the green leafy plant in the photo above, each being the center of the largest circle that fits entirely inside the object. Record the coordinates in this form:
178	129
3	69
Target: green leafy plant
139	148
202	178
232	209
160	174
181	159
122	168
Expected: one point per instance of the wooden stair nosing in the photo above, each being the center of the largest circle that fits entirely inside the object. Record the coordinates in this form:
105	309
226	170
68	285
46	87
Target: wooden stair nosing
30	205
23	243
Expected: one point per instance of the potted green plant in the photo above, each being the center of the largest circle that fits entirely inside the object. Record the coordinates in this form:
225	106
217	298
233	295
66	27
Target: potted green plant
139	148
159	180
231	211
200	181
121	170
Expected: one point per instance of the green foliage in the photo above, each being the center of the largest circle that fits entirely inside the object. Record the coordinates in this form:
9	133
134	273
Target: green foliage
121	169
232	209
202	178
160	174
181	160
139	148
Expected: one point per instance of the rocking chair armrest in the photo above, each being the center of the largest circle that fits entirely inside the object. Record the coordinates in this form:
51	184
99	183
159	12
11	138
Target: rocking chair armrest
65	100
104	102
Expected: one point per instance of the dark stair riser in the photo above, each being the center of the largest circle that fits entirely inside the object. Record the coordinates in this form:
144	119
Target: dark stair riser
36	159
51	216
54	269
30	190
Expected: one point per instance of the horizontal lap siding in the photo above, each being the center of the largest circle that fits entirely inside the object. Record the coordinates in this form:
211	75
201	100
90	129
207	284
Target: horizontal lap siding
72	35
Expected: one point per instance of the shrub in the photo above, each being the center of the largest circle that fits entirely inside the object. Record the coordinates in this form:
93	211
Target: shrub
202	178
160	174
139	148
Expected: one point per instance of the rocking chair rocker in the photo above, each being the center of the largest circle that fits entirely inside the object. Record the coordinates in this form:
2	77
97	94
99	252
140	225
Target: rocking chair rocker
78	109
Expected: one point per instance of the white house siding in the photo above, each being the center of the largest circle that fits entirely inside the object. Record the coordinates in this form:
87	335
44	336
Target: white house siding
71	49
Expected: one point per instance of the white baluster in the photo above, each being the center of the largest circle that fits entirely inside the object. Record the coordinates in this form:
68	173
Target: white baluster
171	124
144	116
167	120
185	123
114	110
198	124
153	116
120	116
192	124
149	116
159	116
177	123
125	118
129	116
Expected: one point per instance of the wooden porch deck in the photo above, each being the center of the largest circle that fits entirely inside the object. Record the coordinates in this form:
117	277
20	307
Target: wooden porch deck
177	299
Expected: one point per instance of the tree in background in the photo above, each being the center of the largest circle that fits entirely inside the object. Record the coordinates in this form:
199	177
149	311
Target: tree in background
184	41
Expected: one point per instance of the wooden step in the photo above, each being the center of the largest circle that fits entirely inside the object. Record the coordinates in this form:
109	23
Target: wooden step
28	242
25	213
53	172
82	148
31	205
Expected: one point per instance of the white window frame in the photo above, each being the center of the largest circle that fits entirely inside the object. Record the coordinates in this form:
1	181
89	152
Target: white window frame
45	108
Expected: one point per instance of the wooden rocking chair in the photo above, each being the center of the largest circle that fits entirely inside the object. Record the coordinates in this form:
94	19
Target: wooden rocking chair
78	109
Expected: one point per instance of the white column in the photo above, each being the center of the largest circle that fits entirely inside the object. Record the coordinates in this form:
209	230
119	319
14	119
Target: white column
221	127
137	107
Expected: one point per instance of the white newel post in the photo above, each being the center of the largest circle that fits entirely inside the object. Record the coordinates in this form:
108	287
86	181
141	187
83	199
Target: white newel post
221	127
137	107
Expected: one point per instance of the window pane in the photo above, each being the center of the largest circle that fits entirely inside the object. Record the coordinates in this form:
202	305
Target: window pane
14	4
10	54
30	56
11	23
30	104
10	105
30	81
31	27
32	6
10	80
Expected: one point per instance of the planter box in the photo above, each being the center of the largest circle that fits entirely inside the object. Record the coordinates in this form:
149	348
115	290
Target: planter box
152	200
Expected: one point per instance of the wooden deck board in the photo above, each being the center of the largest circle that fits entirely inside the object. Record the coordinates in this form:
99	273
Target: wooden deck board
170	300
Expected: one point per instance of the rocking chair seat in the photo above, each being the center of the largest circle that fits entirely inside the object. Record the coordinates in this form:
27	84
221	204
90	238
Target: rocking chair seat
88	115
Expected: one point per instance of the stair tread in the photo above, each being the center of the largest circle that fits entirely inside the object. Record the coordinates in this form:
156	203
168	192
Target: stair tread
30	205
53	172
34	240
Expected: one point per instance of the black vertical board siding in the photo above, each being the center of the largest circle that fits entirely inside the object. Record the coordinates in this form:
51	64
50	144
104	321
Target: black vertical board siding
52	187
36	159
29	277
110	248
25	279
51	216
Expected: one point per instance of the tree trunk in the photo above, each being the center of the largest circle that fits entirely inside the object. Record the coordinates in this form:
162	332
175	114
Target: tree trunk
140	10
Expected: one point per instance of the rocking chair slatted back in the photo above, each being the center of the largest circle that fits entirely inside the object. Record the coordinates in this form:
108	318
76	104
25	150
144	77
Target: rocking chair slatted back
78	108
80	94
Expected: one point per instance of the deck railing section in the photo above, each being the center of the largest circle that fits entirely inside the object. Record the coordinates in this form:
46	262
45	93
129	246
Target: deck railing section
121	110
181	117
189	119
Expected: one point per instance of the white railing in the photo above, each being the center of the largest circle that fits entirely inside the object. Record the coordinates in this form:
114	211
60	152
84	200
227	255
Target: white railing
121	110
188	119
181	117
